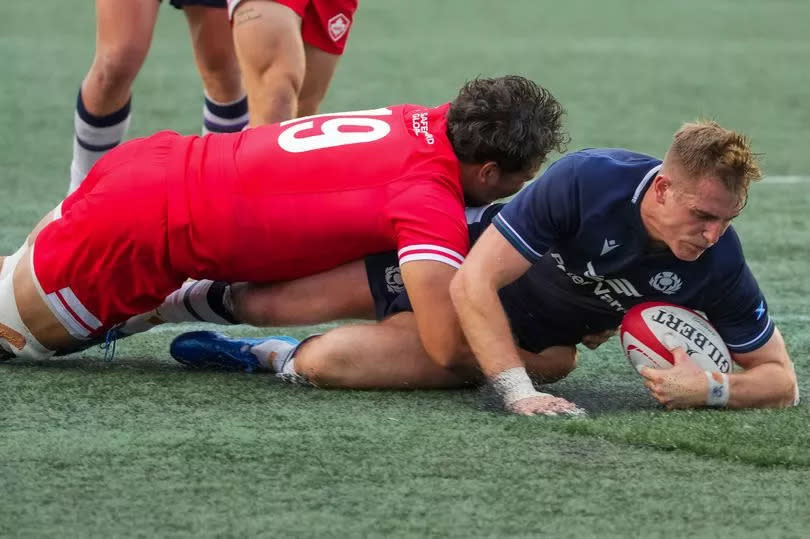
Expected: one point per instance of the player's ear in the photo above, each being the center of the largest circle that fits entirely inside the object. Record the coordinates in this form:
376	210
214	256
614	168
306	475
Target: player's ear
661	184
490	173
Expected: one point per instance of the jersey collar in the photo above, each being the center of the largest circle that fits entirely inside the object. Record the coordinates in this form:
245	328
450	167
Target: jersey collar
644	184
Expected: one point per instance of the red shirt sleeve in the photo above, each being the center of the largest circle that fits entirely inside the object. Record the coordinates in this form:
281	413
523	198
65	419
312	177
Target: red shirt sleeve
429	223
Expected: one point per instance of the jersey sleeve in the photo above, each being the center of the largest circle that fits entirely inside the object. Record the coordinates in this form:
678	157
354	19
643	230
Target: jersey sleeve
544	213
429	224
738	310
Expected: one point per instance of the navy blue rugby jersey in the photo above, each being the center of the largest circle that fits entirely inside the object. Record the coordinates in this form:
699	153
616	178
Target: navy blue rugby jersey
580	225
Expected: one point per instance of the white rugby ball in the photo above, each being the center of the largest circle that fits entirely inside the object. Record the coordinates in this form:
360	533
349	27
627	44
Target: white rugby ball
644	327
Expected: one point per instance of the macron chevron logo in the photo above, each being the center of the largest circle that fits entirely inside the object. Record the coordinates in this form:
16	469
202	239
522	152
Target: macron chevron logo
760	310
608	246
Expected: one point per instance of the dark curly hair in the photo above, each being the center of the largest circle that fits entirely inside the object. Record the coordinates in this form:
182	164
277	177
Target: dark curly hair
509	120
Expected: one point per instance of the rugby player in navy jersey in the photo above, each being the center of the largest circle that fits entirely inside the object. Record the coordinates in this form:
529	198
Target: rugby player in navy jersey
601	231
604	229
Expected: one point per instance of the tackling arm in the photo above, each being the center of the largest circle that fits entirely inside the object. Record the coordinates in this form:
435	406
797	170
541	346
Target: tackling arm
428	283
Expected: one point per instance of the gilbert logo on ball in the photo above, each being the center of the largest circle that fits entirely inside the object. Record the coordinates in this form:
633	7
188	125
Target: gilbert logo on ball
645	325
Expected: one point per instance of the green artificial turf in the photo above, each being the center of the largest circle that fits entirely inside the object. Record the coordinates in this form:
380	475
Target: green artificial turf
141	447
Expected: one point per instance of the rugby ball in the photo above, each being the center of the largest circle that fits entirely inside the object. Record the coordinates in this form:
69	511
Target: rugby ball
645	325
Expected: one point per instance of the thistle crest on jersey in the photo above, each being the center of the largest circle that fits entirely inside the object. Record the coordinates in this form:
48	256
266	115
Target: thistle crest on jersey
666	282
393	280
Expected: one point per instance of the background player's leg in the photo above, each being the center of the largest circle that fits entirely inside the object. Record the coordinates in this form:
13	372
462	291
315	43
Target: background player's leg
320	68
225	103
123	35
271	55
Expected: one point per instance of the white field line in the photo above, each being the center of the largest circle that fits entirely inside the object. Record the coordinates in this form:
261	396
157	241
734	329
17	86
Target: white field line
772	180
791	317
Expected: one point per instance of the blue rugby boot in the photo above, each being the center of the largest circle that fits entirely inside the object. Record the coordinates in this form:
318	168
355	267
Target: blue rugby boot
209	349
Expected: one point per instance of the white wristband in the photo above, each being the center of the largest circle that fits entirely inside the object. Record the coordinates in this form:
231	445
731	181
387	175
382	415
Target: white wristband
513	385
718	389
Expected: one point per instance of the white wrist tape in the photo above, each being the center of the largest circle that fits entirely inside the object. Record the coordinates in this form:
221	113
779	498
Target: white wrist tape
718	389
513	385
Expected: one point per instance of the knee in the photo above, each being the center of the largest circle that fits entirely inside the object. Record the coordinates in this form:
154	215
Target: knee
116	67
280	81
321	362
273	66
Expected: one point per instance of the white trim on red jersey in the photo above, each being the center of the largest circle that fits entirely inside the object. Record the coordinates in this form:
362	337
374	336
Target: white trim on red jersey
75	317
426	251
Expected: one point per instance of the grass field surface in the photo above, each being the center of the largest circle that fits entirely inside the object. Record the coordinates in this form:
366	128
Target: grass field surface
141	447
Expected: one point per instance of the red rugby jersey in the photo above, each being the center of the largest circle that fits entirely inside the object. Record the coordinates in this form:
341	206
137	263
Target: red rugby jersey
292	199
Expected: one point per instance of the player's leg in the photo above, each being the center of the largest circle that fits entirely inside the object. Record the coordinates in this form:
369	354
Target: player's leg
26	321
123	35
336	294
267	35
320	69
386	355
28	328
225	102
325	31
389	355
552	364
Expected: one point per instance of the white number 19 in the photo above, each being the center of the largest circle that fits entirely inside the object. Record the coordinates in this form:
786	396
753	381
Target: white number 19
331	135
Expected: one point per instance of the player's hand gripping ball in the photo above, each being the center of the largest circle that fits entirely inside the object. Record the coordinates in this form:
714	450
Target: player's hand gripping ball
650	329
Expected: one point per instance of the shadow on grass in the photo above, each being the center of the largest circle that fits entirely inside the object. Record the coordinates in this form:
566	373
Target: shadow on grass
607	395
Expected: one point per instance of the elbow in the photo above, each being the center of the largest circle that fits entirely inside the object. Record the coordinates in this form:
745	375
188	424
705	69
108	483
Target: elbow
785	391
793	389
449	354
455	357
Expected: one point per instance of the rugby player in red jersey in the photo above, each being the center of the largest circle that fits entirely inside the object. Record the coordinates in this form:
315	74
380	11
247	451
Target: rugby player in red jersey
275	203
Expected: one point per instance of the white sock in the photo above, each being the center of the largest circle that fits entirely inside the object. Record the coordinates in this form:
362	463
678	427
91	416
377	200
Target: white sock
195	301
274	354
224	117
93	136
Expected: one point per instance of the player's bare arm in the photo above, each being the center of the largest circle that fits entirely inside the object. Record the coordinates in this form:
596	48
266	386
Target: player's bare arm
767	381
428	285
492	264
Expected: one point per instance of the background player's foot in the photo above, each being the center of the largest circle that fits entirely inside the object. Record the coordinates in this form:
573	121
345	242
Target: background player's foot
209	349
